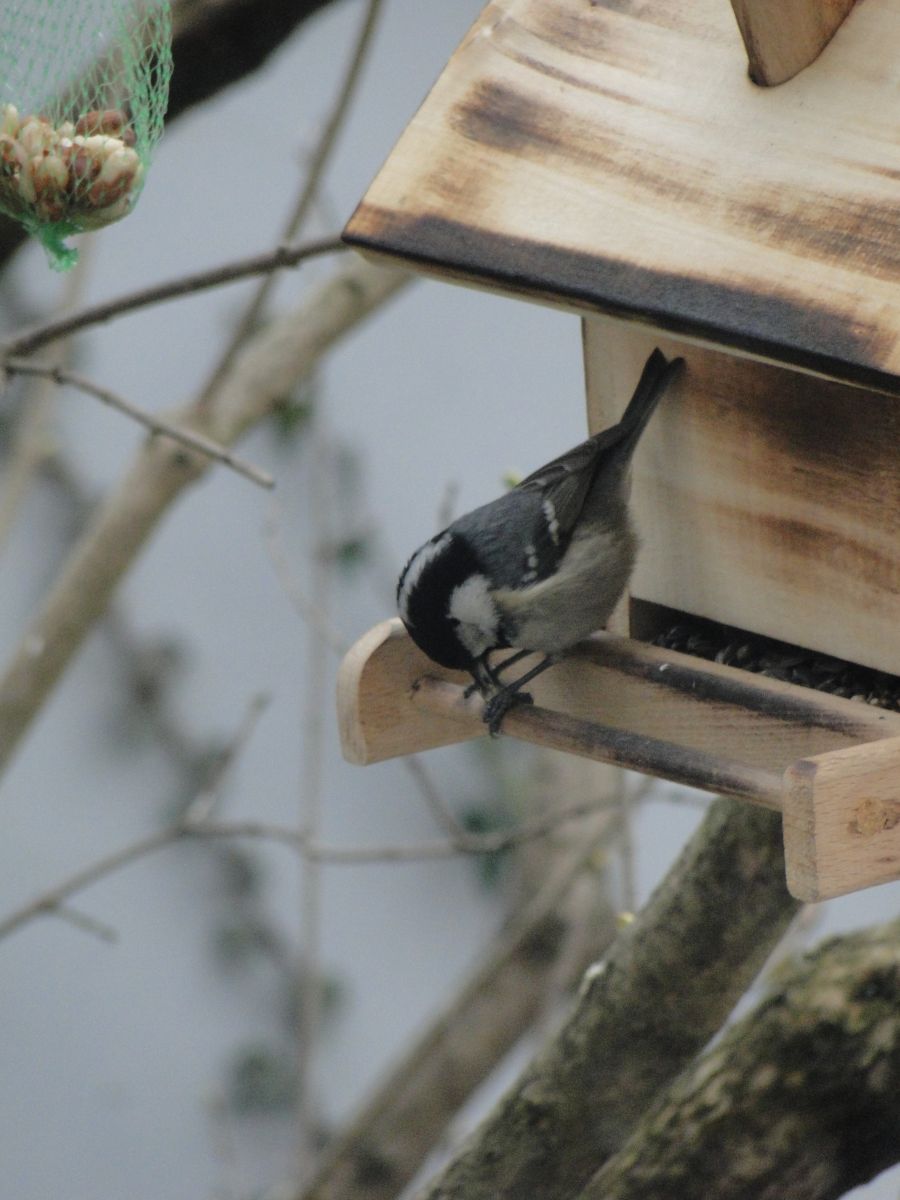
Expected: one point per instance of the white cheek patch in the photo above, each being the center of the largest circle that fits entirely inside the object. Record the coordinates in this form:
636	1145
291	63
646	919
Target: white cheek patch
428	553
478	620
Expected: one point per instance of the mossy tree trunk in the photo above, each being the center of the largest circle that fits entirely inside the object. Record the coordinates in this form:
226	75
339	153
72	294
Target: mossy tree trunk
798	1100
662	992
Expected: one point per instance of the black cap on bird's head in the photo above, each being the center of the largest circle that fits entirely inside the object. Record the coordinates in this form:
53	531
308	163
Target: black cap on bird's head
444	602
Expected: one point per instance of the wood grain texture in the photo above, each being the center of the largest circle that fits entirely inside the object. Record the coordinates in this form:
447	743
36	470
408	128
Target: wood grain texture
764	498
842	820
376	720
593	740
644	690
665	713
613	156
782	37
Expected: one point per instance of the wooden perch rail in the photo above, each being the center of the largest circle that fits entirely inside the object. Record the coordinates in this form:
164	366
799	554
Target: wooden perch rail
832	766
620	747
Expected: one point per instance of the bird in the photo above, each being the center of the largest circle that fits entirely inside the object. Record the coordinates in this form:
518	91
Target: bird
538	569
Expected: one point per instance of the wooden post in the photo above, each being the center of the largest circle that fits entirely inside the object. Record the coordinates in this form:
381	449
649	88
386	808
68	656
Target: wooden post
842	820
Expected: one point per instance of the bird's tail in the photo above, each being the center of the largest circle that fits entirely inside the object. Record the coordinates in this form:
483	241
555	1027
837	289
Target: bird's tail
655	378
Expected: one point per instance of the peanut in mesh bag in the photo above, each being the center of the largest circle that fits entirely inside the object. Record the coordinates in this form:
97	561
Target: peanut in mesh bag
83	92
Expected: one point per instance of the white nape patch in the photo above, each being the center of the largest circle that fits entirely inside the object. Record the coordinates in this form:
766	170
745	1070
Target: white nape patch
475	613
420	560
549	512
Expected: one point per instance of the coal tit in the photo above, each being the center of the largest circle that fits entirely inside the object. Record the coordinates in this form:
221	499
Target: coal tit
539	569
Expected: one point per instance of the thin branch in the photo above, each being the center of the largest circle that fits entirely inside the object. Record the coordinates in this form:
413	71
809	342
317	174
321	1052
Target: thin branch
482	843
297	840
207	798
172	289
285	351
156	425
55	900
315	616
309	997
87	923
306	609
318	161
335	122
34	440
51	900
440	810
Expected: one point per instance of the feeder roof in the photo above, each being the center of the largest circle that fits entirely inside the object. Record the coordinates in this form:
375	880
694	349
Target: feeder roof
613	156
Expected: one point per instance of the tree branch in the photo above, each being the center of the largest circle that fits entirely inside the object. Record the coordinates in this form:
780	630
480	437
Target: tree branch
196	825
171	289
271	363
798	1099
252	314
193	441
384	1145
710	925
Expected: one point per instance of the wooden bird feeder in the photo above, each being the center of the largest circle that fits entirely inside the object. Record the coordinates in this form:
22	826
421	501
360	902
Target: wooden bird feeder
618	159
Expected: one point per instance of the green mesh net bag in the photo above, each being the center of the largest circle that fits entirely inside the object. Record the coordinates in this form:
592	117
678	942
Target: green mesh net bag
83	91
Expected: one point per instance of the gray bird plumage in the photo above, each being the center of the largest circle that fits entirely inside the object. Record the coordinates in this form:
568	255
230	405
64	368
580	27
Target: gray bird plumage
541	567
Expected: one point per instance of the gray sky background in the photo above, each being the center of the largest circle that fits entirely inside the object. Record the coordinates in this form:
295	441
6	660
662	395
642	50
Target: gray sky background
111	1054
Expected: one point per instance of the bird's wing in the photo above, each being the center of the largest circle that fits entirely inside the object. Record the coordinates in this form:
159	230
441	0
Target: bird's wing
565	482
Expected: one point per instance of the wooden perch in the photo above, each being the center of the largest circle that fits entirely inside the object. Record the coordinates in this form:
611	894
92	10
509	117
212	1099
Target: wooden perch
831	765
782	37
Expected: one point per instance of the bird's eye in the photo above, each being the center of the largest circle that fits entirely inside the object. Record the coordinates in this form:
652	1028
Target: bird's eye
454	621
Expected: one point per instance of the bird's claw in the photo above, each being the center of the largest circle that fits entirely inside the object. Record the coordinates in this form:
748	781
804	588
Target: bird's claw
499	705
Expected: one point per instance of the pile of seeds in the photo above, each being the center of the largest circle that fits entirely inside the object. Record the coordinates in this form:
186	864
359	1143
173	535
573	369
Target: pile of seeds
777	660
85	172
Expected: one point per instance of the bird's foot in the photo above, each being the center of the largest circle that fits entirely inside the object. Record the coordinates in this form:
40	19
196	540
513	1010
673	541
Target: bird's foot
499	705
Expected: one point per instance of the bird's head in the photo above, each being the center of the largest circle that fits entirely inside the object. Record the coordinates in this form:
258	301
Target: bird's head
445	602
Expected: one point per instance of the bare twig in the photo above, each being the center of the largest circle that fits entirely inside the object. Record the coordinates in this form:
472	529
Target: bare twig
305	607
309	1007
55	900
315	616
51	900
156	425
207	798
318	161
100	929
443	815
276	358
481	843
296	839
172	289
34	440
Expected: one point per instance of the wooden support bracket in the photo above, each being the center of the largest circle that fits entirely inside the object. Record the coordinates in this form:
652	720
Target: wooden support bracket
782	37
832	766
